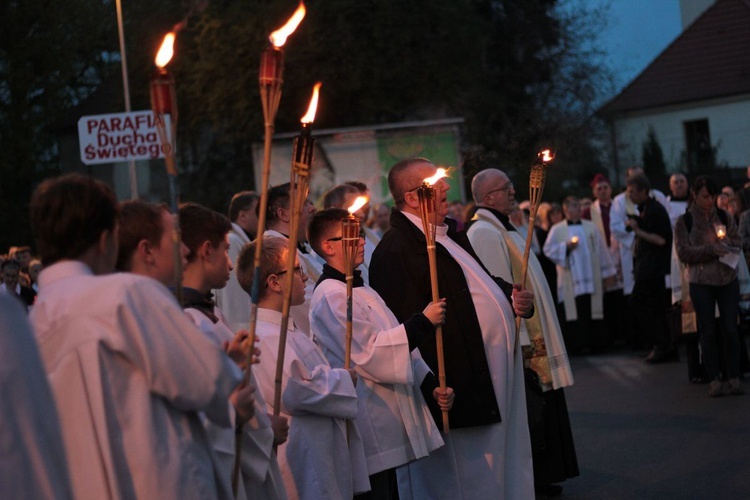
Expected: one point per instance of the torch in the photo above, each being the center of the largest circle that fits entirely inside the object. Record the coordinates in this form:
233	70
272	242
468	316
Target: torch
163	104
302	157
270	78
350	242
428	212
537	179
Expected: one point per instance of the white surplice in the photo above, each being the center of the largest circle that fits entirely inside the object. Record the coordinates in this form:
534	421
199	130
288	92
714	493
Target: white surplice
489	461
323	457
261	476
490	239
233	301
394	420
312	265
32	456
130	372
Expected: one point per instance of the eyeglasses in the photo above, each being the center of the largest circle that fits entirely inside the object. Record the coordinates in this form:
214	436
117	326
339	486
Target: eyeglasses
297	270
506	187
339	238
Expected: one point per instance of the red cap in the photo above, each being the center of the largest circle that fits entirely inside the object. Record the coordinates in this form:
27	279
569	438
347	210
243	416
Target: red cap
599	178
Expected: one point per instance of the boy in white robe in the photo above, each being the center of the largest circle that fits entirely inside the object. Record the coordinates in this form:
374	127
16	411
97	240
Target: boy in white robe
129	371
205	233
33	457
323	457
394	419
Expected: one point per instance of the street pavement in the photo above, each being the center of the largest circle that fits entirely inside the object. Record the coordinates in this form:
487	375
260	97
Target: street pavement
644	432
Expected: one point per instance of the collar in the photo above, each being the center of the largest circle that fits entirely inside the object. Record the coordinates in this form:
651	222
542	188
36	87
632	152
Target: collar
334	274
571	223
63	269
274	317
504	219
192	298
679	198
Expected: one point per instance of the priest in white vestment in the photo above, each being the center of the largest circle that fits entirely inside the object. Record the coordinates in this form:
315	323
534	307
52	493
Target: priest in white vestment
487	453
128	369
33	456
323	457
394	420
500	246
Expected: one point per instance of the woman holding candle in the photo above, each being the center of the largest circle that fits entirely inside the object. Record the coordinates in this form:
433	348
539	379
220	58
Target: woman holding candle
712	271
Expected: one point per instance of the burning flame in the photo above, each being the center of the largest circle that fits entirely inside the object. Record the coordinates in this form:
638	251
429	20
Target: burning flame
278	37
431	181
166	51
310	116
358	203
546	155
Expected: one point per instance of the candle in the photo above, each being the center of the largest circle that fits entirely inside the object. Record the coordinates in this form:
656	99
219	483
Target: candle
574	239
721	231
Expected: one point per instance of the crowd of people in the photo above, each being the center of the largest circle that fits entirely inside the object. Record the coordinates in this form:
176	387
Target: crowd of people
147	397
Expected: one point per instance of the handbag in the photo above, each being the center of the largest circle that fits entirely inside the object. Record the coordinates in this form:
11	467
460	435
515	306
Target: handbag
689	321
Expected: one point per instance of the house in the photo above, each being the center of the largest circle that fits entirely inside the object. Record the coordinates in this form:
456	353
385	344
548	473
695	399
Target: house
695	95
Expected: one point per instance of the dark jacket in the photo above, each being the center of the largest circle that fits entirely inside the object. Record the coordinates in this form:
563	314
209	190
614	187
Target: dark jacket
400	273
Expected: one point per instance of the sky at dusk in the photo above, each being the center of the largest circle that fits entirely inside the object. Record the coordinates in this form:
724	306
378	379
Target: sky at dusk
638	31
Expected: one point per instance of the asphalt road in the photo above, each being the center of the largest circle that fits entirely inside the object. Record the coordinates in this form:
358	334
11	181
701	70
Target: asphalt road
644	432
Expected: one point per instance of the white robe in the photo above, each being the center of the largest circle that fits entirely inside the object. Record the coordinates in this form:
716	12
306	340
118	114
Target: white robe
614	245
130	372
489	238
261	476
32	456
489	461
312	265
233	301
581	270
393	418
316	461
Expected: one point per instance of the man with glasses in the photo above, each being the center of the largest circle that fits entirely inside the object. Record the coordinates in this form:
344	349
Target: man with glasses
393	418
487	452
500	246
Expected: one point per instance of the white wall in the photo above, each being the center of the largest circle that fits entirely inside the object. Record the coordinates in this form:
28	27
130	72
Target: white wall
728	124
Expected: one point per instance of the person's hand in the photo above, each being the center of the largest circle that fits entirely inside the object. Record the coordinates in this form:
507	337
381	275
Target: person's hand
353	375
720	249
632	223
435	312
280	426
444	398
523	300
571	245
609	282
237	349
244	402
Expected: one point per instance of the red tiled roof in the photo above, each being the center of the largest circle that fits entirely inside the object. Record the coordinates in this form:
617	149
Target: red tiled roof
710	59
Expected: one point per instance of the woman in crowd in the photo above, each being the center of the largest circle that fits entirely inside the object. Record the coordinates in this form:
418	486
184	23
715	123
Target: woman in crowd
708	242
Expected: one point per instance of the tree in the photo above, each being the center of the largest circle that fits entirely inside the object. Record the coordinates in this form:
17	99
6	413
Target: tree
652	157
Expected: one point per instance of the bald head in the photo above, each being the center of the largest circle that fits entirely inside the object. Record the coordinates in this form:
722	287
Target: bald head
406	176
678	185
492	188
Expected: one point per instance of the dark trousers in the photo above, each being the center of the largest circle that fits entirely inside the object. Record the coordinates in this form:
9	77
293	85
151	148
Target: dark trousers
705	299
650	303
577	334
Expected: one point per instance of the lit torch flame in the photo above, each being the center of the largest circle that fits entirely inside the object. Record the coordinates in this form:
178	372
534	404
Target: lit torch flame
166	51
431	181
546	155
310	116
278	37
358	203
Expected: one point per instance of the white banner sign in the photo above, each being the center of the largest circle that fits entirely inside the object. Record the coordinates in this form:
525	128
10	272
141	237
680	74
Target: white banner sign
119	137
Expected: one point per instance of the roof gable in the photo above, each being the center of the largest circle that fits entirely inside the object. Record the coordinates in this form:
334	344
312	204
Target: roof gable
710	59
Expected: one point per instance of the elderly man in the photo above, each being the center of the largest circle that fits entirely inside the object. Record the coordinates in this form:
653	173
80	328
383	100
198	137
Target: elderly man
500	247
487	452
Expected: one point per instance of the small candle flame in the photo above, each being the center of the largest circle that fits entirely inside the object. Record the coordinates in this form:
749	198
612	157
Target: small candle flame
574	239
546	156
358	203
721	231
166	51
278	37
431	181
310	116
